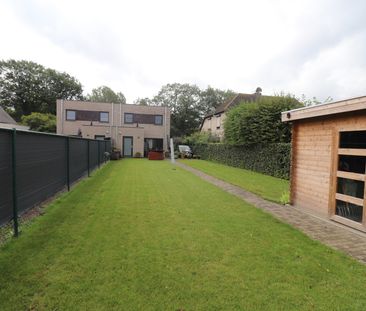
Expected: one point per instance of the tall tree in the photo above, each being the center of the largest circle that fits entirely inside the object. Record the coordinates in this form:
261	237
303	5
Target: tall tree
105	94
27	87
184	103
212	98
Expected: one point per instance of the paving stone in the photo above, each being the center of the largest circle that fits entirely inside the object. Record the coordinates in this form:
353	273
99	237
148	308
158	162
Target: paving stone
339	237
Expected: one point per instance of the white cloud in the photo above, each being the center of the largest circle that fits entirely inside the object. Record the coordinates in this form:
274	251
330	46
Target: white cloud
137	46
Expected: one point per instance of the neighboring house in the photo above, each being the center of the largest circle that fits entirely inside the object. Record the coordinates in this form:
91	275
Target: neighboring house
213	123
8	122
329	160
131	128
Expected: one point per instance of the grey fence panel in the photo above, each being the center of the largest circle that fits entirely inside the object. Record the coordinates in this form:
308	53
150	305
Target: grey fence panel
41	168
43	164
78	149
101	151
93	154
6	197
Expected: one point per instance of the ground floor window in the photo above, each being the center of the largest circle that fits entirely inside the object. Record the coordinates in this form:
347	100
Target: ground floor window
99	137
153	144
351	174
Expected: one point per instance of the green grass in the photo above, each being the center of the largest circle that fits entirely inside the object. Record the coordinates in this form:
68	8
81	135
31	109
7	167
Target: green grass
143	235
268	187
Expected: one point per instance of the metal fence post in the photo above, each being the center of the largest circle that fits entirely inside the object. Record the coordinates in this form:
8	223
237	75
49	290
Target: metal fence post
68	163
98	153
88	158
14	176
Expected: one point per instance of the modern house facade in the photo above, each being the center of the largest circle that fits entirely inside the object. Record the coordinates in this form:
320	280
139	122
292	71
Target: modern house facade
213	123
133	129
328	171
6	121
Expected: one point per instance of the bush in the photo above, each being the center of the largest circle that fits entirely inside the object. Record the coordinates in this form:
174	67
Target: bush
259	123
200	138
41	122
270	159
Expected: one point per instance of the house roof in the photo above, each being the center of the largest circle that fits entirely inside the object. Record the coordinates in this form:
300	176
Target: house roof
5	118
348	105
235	100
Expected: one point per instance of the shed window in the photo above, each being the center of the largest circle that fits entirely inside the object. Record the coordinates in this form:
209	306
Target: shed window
351	174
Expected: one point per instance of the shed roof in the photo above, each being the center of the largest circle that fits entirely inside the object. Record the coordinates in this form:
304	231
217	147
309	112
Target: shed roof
348	105
5	118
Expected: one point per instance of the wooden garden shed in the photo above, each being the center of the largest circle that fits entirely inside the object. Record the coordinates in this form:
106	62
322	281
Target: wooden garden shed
328	168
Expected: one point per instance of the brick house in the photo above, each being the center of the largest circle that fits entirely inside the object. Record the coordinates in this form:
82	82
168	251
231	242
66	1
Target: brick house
133	129
213	122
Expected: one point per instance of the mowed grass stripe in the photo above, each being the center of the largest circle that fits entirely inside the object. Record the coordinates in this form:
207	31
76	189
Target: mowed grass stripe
145	235
268	187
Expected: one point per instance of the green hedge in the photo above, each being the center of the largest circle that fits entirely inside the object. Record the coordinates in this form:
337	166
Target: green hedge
270	159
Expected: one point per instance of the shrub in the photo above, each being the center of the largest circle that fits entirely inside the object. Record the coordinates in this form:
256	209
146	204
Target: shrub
200	138
259	123
270	159
138	155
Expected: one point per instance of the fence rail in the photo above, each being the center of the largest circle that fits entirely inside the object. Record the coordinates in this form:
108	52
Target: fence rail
35	166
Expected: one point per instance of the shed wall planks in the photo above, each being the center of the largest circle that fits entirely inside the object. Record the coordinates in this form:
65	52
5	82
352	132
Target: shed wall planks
313	159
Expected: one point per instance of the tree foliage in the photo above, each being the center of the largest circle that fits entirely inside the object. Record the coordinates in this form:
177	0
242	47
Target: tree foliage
198	138
41	122
258	123
27	87
105	94
188	105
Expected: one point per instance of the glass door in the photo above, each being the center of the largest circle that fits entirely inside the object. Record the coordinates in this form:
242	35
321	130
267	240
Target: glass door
351	172
127	146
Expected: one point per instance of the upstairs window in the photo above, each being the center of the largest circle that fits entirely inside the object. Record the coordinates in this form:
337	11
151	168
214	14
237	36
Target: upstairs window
158	120
104	117
128	117
70	115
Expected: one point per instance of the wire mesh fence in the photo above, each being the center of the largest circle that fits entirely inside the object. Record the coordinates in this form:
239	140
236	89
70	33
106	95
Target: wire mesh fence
35	166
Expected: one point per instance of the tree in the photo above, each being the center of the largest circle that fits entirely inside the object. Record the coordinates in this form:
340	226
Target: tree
41	122
184	103
27	87
258	123
212	98
143	101
188	105
105	94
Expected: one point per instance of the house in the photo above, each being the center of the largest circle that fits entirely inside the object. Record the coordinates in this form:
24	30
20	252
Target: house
133	129
8	122
213	123
329	160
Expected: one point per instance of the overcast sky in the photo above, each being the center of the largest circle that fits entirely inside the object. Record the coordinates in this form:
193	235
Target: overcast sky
315	47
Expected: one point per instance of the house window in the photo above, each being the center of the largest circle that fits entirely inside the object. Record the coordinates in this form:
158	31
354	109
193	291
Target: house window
104	117
158	120
349	197
128	117
70	115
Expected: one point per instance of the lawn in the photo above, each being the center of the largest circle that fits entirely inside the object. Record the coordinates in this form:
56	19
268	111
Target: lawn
144	235
268	187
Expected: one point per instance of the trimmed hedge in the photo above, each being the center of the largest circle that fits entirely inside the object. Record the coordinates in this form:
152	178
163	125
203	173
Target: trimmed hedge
270	159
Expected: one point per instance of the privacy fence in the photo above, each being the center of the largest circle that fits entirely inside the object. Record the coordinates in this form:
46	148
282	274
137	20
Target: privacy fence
35	166
270	159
